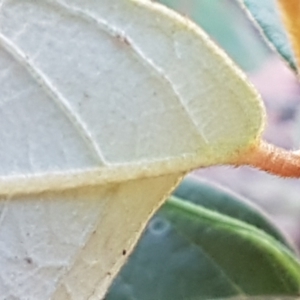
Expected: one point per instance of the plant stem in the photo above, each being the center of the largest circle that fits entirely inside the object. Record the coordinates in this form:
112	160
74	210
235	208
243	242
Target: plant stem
272	159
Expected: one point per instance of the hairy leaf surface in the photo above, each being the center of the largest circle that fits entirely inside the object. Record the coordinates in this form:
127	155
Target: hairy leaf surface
103	103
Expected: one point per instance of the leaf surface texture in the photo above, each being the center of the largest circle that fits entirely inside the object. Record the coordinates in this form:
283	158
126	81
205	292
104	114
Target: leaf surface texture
101	103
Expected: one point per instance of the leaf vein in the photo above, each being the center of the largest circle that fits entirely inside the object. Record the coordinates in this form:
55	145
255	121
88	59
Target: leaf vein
53	93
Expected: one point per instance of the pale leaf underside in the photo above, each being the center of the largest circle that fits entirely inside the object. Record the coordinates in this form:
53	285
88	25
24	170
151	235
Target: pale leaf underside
104	105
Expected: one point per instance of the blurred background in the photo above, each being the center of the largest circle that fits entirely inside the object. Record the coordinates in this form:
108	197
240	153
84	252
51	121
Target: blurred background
230	27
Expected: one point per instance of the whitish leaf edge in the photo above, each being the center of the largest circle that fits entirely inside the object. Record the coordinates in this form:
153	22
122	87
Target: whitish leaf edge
113	173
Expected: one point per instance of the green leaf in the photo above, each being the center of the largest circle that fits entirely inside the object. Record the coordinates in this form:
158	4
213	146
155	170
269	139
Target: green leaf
266	15
191	252
226	202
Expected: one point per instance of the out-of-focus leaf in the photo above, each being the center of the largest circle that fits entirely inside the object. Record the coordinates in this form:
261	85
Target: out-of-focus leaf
191	252
291	13
227	203
266	15
226	23
102	104
263	298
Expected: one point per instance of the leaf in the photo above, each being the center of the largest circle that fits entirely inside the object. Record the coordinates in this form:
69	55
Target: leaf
103	103
192	252
266	15
290	13
182	46
224	201
229	28
264	298
69	244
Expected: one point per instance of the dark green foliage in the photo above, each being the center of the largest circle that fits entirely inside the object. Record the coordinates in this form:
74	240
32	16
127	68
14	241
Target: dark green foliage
268	18
228	203
192	252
